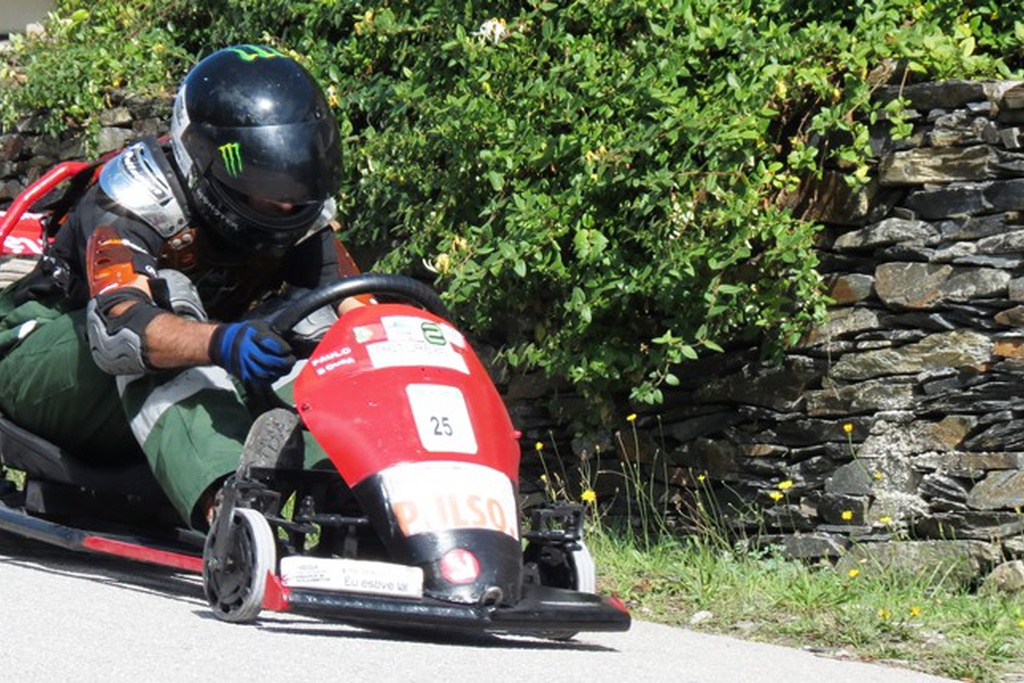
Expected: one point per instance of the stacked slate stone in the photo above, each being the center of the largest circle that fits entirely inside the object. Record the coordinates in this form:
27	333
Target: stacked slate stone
903	416
27	152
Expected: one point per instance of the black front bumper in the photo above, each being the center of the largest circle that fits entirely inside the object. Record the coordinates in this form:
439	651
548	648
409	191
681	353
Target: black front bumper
542	611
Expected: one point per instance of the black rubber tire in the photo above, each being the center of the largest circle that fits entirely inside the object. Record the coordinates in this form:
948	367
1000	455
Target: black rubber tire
235	584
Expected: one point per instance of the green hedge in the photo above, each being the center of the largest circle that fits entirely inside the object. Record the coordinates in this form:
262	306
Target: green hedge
593	184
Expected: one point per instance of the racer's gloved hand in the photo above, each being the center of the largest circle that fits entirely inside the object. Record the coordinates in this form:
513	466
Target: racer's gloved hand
251	351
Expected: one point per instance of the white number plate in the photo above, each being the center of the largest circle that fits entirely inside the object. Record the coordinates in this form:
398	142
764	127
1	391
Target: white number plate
442	418
353	576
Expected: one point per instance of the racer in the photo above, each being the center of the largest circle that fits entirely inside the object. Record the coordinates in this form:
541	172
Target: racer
136	330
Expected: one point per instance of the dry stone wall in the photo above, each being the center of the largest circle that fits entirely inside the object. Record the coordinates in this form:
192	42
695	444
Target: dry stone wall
902	417
26	152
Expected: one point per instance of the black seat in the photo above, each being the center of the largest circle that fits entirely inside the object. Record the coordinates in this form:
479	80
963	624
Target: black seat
41	459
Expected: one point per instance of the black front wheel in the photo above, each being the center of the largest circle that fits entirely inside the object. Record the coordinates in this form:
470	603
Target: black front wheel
235	580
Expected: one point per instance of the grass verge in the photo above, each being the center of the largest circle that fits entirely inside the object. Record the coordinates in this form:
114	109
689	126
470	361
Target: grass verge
891	617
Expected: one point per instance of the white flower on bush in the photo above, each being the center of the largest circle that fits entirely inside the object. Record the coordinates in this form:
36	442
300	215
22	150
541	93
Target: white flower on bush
492	30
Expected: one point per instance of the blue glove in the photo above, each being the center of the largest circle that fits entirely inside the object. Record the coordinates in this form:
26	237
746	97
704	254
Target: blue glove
251	351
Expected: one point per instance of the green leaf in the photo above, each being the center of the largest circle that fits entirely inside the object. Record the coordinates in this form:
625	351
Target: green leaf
496	179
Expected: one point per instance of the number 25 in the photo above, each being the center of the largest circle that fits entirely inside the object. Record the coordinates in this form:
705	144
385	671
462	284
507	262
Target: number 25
442	427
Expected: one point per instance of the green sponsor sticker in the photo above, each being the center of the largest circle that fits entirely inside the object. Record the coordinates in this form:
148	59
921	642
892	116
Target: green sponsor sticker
251	53
231	154
432	333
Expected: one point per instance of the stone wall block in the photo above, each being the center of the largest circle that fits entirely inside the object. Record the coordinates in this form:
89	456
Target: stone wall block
1015	289
1006	578
887	232
1008	95
11	147
977	227
112	139
776	387
1003	490
1008	434
1006	195
946	201
809	547
118	117
837	508
925	285
950	94
938	165
956	349
944	487
899	442
862	397
851	288
853	479
969	525
843	323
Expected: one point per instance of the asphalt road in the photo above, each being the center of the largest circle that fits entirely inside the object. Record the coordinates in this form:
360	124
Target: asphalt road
72	617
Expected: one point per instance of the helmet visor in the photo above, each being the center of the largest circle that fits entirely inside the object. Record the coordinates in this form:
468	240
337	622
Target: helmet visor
293	164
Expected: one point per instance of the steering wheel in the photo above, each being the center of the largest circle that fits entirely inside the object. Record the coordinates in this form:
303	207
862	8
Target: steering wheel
400	286
397	286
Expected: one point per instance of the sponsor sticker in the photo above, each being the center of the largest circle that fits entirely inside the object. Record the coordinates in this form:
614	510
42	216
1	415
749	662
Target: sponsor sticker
410	341
433	497
353	576
332	360
393	354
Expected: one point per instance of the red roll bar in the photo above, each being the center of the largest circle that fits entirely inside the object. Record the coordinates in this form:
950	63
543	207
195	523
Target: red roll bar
34	192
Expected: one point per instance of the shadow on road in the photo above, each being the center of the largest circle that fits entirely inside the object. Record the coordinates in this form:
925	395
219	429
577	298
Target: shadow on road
280	623
125	574
170	584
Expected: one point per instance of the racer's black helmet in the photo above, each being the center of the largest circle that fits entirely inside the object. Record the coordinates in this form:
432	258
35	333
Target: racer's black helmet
251	126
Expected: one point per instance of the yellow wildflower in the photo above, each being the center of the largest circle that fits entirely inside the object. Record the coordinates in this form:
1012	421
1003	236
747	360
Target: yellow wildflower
848	428
776	496
847	515
701	478
885	519
884	614
589	496
442	264
1021	623
785	485
853	573
538	446
915	611
877	474
631	417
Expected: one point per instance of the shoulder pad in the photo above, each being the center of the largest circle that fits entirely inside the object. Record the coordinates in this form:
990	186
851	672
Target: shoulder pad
135	180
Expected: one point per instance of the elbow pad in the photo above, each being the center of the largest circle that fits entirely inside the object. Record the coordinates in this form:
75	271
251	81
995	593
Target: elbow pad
118	343
182	297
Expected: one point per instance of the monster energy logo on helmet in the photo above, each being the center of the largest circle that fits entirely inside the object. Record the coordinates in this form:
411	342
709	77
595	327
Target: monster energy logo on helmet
231	154
251	53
